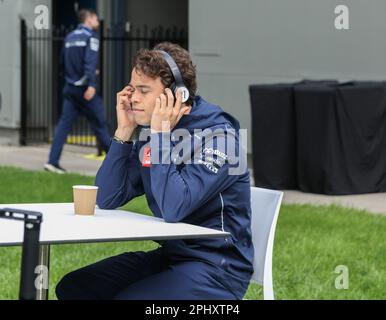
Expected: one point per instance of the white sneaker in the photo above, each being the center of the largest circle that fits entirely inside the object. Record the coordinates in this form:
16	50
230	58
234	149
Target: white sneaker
55	169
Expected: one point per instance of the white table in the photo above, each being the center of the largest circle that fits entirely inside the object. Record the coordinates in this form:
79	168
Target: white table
61	226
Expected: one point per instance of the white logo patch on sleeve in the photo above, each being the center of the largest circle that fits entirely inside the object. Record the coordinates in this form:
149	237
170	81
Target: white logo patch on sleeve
94	44
213	159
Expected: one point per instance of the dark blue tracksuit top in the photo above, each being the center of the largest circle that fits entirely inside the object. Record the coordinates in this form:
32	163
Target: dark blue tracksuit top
80	57
203	194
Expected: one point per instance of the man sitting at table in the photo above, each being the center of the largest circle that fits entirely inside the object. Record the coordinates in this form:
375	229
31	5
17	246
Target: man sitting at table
199	187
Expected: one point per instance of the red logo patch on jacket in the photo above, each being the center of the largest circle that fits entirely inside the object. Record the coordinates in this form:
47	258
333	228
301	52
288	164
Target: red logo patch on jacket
146	161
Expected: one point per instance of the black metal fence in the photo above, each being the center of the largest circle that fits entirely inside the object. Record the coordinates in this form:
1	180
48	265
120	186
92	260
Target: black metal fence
42	76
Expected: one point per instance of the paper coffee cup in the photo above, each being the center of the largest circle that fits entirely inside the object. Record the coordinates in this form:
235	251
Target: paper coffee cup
85	199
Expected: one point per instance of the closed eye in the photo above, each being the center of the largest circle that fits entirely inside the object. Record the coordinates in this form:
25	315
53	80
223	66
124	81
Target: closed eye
143	89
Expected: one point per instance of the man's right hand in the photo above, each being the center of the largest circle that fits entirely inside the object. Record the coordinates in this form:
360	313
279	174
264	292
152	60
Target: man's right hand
125	115
89	94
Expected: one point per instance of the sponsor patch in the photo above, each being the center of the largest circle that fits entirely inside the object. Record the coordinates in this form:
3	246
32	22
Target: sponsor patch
94	44
213	159
146	161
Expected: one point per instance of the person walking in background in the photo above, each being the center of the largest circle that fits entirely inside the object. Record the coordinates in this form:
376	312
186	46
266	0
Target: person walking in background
81	55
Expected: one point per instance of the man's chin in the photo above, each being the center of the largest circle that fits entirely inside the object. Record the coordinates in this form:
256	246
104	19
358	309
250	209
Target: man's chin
142	122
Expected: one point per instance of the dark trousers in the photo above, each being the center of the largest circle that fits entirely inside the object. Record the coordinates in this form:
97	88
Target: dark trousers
75	105
144	276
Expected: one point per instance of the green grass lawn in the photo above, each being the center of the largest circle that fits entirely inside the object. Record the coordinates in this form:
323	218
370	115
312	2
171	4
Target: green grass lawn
310	242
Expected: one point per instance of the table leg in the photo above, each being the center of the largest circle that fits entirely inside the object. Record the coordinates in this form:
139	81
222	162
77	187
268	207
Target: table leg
43	272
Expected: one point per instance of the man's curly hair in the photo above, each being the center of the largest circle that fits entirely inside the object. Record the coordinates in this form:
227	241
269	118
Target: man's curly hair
152	64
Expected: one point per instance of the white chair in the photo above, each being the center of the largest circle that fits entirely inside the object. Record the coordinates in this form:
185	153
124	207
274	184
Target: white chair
265	206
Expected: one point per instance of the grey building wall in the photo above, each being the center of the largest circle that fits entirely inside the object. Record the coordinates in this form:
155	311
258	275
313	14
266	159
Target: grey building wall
9	68
238	43
10	13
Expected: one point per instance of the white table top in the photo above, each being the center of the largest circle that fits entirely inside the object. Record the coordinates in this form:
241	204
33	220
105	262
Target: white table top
61	226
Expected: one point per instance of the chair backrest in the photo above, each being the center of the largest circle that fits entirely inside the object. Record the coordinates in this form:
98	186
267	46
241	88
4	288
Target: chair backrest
265	205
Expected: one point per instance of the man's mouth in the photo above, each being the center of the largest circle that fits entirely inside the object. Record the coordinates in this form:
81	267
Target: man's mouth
137	110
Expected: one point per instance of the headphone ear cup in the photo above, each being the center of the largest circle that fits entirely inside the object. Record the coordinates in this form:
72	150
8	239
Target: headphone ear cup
185	93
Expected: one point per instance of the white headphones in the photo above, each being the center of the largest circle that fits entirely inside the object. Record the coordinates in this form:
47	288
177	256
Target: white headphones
178	83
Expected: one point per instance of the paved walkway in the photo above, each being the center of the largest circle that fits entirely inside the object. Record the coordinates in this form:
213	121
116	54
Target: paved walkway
373	202
34	157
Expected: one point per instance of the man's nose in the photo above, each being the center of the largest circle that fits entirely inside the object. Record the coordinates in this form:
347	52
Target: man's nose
135	97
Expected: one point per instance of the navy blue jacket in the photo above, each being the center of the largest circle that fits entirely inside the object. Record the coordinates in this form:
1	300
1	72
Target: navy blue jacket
80	57
203	193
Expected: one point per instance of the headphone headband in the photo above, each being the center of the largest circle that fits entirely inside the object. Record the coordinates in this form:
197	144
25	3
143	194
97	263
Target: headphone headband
176	74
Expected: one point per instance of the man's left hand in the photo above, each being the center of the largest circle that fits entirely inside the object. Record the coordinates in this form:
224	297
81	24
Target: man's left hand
168	112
